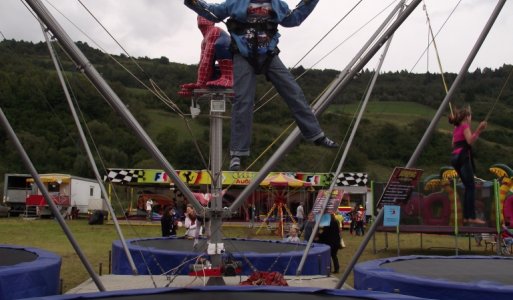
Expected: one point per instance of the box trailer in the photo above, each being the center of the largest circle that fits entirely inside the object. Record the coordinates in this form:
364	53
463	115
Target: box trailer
70	194
16	191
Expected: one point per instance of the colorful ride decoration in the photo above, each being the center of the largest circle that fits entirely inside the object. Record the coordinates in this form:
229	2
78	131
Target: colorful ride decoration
448	175
505	178
411	210
438	207
444	205
214	48
280	185
344	211
441	199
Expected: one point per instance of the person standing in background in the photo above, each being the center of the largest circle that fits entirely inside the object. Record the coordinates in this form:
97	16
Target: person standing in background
191	223
252	209
300	215
307	228
330	235
168	222
149	207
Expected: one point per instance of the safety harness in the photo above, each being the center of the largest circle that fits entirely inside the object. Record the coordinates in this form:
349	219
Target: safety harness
241	28
466	153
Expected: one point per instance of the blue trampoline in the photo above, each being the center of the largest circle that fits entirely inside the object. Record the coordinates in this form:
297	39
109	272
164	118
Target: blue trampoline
175	255
28	272
439	277
236	293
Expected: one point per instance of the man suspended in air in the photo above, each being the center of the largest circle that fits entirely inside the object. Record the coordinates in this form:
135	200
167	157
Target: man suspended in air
253	26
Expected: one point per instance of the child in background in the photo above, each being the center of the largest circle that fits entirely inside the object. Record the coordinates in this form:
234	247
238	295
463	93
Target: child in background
293	236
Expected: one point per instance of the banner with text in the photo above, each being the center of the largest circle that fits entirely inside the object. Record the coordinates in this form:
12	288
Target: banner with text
399	186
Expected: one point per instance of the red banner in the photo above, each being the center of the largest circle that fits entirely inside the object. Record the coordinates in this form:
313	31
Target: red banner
39	200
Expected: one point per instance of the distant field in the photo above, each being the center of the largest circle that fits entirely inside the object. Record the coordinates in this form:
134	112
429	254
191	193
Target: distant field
395	112
401	113
391	108
398	113
161	119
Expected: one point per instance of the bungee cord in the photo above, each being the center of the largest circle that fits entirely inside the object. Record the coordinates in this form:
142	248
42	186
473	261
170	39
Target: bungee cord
322	57
501	90
350	126
114	39
156	91
104	168
433	39
439	30
498	96
318	42
101	162
163	271
318	97
328	33
171	105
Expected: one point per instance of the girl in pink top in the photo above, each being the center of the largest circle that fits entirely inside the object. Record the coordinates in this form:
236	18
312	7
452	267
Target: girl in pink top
462	161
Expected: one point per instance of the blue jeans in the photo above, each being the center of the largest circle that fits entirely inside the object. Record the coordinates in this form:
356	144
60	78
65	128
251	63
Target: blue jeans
222	46
244	86
463	165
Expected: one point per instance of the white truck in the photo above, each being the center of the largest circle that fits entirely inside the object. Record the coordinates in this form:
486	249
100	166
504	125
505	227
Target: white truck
16	191
71	194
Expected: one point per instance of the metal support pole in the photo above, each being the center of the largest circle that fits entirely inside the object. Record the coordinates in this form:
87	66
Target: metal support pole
217	108
427	134
346	150
115	102
90	157
464	69
398	235
33	172
456	229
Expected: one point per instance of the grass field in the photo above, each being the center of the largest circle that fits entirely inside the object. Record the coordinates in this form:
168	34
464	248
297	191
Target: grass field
95	242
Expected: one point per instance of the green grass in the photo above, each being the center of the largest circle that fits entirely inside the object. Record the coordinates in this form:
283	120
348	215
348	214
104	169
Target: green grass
401	113
95	242
161	119
392	108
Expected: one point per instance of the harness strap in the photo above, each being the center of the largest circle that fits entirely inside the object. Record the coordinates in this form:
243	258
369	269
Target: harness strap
466	149
240	28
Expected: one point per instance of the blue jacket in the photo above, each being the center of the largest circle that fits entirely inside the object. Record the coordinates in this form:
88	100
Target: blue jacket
237	9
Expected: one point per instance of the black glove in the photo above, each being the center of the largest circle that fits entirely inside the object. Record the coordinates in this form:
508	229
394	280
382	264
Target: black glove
192	2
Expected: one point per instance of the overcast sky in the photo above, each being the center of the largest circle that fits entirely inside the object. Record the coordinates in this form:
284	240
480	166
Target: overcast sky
156	28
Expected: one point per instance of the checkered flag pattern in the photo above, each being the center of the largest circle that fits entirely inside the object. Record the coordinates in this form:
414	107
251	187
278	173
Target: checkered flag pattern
352	179
124	176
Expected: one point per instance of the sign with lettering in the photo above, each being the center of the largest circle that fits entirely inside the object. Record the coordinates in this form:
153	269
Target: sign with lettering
333	202
399	186
392	215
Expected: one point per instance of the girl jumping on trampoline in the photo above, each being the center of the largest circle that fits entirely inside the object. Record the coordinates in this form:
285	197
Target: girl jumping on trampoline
462	159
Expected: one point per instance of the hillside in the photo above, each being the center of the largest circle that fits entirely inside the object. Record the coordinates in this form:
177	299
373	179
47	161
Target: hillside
400	110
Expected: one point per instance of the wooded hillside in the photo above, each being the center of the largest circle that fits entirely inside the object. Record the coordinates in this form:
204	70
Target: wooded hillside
401	107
